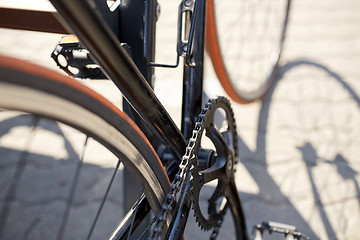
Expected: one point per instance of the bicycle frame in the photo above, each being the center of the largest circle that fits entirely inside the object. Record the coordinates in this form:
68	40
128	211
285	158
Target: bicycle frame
120	68
103	32
132	75
100	40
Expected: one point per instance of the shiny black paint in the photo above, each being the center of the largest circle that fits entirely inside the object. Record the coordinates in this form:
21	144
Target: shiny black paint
193	73
86	21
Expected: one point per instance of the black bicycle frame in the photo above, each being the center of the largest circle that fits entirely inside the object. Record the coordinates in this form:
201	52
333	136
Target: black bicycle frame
85	19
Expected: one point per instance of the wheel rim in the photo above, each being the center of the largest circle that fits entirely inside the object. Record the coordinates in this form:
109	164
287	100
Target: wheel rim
30	99
244	75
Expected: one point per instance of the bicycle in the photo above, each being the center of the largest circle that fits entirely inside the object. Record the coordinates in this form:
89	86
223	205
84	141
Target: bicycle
150	146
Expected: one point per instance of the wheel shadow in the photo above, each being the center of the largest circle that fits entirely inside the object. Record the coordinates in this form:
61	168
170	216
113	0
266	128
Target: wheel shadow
271	203
38	199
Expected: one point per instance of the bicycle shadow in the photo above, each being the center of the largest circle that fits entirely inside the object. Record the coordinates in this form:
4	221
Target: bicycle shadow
271	203
312	160
256	162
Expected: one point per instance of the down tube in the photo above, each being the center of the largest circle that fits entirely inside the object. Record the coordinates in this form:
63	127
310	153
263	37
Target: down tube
85	20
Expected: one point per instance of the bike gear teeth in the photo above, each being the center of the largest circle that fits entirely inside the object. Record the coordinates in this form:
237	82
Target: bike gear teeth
189	164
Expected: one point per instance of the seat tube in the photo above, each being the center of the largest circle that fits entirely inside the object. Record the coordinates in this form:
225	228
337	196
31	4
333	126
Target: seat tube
132	32
193	76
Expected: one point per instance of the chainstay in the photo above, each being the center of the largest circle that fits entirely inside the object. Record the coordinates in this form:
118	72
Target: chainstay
184	167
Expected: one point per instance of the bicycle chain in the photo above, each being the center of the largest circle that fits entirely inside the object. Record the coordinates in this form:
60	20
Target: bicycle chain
184	167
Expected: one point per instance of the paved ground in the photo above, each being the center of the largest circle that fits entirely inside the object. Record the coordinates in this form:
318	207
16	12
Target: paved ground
299	147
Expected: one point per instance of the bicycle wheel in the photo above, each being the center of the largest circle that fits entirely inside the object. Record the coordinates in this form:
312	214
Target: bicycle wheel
61	146
244	41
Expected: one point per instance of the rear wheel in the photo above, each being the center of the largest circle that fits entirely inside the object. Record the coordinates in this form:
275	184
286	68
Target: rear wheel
244	41
63	151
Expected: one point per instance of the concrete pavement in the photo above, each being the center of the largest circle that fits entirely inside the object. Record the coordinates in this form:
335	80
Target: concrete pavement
299	146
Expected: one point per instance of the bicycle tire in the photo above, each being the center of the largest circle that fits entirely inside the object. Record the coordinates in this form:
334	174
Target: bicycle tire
245	59
32	89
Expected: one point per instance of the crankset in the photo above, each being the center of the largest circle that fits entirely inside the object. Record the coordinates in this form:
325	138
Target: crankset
220	165
201	165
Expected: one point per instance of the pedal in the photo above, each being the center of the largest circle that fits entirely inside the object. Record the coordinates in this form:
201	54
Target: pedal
75	60
289	231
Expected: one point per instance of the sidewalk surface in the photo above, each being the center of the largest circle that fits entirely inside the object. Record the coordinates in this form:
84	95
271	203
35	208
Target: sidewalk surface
299	146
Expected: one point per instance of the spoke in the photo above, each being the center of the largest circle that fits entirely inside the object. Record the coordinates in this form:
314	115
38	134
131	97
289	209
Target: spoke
148	228
121	232
72	193
104	199
136	209
17	175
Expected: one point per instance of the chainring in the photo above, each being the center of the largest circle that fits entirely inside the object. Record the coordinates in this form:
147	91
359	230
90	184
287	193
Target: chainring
223	167
222	164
